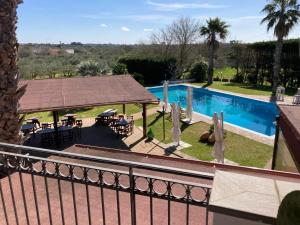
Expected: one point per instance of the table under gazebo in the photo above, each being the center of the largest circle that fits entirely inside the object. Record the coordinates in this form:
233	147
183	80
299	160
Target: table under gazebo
83	92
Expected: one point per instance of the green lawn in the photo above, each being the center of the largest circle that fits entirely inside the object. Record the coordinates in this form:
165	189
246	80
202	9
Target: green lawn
225	73
239	149
244	88
89	112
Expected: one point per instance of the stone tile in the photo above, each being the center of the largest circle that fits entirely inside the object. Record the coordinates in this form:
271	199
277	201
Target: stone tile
249	194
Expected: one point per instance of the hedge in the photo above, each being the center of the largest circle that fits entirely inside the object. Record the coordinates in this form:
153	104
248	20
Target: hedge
153	69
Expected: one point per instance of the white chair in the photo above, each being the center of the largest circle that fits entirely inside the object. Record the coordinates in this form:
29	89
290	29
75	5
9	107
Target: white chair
296	99
280	93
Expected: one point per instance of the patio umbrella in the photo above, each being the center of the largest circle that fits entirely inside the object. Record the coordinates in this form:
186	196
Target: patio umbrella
222	121
218	151
189	99
176	132
166	100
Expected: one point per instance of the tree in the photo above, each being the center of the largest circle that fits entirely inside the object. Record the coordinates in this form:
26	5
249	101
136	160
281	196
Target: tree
198	71
282	15
10	122
89	68
235	54
119	69
182	33
215	29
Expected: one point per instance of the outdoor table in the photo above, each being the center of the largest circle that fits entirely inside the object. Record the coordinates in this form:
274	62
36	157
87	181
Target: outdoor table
27	128
70	115
70	118
34	120
122	126
106	117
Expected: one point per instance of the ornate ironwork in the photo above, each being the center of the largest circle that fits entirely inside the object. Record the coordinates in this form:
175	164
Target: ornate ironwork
126	180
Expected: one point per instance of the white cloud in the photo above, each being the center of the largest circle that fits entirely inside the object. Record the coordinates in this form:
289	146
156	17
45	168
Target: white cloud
125	29
177	6
103	25
148	29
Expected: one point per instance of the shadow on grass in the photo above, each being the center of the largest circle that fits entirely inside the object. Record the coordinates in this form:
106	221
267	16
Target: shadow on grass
184	126
158	117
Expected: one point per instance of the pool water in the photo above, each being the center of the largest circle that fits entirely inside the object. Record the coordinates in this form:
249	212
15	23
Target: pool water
251	114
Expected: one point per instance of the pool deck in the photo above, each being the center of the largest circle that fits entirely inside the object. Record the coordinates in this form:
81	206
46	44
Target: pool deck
288	100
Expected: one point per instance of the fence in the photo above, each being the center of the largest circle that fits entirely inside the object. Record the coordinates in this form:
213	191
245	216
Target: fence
40	186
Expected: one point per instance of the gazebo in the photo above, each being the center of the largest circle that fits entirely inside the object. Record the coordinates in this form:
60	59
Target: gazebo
83	92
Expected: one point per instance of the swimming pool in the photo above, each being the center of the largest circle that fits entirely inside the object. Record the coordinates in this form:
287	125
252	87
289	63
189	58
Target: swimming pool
257	116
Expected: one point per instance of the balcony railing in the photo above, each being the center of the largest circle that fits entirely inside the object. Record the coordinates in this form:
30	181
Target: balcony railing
40	186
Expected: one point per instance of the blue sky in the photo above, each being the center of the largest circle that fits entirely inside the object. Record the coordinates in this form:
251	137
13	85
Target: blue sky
132	21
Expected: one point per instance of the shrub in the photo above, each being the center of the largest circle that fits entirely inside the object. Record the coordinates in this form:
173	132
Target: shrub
119	68
153	69
288	212
150	135
199	71
89	68
238	78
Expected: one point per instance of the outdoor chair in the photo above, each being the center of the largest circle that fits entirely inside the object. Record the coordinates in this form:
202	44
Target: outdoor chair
79	123
129	118
64	122
46	125
123	130
280	93
296	100
121	116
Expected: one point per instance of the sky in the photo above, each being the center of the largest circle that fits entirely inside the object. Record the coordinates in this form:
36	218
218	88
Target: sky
133	21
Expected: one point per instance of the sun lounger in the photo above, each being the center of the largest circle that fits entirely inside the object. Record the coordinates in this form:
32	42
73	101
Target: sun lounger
296	100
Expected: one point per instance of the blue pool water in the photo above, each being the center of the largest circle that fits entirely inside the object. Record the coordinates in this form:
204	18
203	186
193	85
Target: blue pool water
251	114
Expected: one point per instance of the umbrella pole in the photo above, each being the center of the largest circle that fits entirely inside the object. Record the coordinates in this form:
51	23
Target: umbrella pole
55	120
164	125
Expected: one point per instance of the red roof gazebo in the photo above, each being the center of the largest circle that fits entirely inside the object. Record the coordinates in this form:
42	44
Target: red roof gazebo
83	92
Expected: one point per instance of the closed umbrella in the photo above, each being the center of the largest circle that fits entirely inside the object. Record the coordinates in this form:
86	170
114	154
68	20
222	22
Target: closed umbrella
219	147
176	132
166	100
189	108
222	121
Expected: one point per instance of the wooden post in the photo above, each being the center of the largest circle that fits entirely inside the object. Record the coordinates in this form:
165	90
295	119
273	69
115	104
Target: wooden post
124	109
144	120
275	149
55	120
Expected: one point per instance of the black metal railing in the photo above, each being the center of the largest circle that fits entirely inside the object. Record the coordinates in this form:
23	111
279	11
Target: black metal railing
63	187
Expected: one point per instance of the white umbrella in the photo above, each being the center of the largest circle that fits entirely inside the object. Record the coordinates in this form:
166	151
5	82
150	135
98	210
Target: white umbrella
189	108
222	121
166	100
218	151
176	132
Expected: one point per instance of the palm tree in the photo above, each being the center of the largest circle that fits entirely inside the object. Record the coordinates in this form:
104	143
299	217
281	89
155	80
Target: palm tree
215	29
282	15
10	122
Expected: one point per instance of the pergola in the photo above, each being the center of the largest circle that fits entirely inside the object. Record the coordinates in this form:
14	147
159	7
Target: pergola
83	92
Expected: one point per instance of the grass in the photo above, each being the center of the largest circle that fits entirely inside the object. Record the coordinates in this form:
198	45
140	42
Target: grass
89	112
225	73
244	88
254	154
